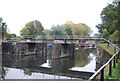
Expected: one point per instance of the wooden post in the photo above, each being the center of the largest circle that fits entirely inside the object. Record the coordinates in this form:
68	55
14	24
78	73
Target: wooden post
114	62
102	75
110	68
108	44
117	56
114	49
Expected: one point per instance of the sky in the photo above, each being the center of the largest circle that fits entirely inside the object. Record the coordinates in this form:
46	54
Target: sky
16	13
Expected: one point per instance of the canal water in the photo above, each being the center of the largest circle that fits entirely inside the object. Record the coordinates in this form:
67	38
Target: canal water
81	65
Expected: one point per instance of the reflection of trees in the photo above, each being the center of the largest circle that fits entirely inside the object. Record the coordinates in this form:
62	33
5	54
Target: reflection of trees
81	57
62	65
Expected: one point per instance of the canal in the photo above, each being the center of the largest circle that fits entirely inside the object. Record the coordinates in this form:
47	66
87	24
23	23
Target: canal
81	65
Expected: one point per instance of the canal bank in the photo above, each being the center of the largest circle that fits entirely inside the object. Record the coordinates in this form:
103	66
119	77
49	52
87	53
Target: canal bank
115	70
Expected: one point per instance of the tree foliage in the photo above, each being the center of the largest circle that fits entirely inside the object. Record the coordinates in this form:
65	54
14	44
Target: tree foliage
32	28
3	29
46	31
70	28
109	25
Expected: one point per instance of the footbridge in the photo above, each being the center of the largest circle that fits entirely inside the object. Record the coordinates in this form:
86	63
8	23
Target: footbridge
55	37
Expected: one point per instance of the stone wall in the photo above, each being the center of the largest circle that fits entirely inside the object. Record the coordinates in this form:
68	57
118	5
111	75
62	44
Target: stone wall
24	48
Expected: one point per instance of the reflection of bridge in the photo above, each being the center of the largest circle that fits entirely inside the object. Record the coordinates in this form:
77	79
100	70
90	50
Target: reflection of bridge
59	67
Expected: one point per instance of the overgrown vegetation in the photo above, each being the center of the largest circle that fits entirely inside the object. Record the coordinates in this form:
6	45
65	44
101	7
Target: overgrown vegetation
109	27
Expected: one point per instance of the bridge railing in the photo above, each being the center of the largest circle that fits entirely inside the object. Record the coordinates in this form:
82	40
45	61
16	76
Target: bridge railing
54	37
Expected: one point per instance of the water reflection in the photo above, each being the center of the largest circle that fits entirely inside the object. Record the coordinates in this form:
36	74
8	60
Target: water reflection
62	65
82	65
85	60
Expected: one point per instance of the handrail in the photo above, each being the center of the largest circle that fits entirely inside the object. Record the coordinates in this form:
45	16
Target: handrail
59	37
111	44
102	67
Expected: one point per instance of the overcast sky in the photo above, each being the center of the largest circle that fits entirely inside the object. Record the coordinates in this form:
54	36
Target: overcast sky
16	13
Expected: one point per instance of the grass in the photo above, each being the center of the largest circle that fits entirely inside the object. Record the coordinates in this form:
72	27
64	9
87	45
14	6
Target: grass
115	73
110	50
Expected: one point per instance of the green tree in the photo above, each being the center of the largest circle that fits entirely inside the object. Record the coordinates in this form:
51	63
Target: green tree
109	25
11	36
46	31
32	29
68	31
78	29
71	28
3	29
0	28
56	30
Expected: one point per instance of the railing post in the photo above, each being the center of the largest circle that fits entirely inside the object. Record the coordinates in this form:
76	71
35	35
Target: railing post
108	44
114	61
117	56
102	75
110	68
114	49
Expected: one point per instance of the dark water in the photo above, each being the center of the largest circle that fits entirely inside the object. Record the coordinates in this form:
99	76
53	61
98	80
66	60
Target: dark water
82	65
